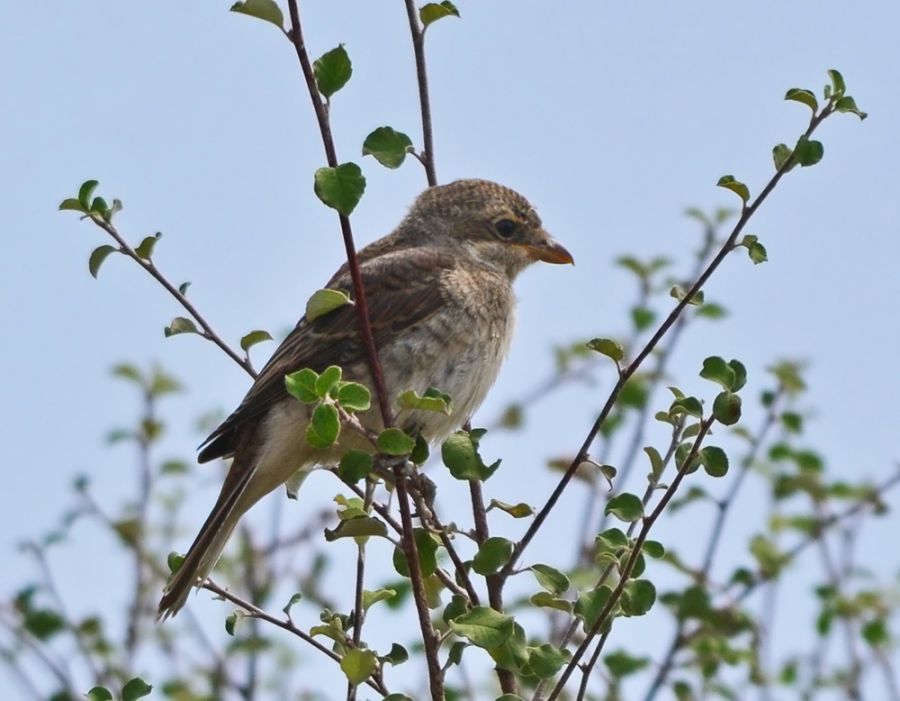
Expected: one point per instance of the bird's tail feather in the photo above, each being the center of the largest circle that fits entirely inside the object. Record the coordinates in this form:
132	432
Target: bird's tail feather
206	548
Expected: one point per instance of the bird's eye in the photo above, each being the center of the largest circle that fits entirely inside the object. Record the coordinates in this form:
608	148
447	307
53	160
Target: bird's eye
505	228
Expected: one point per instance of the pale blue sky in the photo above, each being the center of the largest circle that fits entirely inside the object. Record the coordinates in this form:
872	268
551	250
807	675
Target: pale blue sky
611	117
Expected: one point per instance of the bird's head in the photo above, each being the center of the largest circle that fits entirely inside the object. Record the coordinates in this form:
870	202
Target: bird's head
497	226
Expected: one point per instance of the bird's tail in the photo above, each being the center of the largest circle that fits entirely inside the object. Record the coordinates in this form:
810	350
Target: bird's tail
208	545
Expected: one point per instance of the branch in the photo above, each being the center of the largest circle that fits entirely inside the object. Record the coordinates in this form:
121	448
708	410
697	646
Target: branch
418	39
746	214
494	583
148	265
285	624
604	615
295	35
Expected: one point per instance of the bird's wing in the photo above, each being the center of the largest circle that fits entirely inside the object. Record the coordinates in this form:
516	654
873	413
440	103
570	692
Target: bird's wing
403	289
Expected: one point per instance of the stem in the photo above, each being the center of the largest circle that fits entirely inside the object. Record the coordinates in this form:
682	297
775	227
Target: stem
148	265
746	214
494	583
616	594
418	40
284	624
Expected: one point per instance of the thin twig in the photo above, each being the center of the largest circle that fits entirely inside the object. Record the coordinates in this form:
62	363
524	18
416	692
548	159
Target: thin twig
494	583
418	39
646	526
285	624
429	638
207	331
746	214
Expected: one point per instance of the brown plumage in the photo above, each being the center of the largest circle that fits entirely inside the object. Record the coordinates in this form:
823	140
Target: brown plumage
441	307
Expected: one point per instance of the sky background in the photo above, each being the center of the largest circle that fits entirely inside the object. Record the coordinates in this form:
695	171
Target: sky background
611	117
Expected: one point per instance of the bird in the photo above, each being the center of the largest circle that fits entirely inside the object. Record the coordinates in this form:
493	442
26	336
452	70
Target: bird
441	308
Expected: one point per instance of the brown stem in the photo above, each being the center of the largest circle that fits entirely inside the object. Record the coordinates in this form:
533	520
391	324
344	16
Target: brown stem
494	583
418	40
285	624
603	617
148	265
746	214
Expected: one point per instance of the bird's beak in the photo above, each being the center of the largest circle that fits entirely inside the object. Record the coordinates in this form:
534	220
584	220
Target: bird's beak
549	251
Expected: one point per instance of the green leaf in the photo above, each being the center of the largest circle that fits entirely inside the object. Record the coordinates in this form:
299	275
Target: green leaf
755	249
803	96
875	633
520	510
358	665
625	507
340	188
397	655
231	622
266	10
656	463
736	186
642	318
780	155
251	339
98	255
70	203
393	441
621	664
460	454
135	689
293	601
608	347
99	206
329	377
433	400
427	549
590	603
420	453
324	301
332	71
550	579
492	555
838	87
353	396
355	465
740	374
302	385
717	370
688	405
183	287
545	599
389	147
325	426
358	527
370	598
43	624
808	152
145	249
180	325
653	548
679	293
512	654
546	660
638	597
433	11
727	408
484	627
848	104
86	192
714	461
99	693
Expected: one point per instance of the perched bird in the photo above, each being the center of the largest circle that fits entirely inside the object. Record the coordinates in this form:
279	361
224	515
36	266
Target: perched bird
441	307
